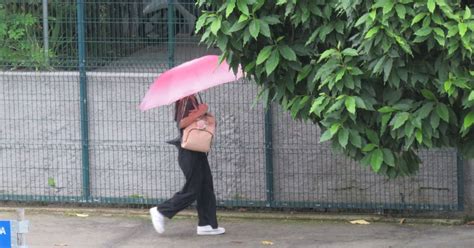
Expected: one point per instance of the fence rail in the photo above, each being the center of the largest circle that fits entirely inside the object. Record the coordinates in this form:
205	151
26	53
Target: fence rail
71	131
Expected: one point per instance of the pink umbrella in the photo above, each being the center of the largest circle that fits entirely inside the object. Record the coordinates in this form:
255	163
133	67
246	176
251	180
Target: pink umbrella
187	79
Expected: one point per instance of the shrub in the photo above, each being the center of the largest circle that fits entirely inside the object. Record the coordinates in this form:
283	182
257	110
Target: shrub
19	46
382	78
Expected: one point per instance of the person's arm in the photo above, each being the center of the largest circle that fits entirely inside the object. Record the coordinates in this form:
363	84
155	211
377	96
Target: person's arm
193	115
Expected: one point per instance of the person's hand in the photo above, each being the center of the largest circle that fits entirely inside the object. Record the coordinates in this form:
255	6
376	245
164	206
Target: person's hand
193	115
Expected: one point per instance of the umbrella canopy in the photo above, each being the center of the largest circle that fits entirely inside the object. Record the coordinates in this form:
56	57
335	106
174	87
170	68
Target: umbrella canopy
187	79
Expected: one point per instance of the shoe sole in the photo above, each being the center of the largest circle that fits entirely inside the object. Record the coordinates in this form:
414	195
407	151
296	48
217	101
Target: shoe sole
209	233
158	230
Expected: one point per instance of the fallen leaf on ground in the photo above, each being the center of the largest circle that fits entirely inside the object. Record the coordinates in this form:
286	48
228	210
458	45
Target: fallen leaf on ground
360	222
266	242
402	221
82	215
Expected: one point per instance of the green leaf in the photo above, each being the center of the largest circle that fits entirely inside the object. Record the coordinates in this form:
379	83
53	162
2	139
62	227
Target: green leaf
441	41
409	129
468	120
388	157
373	31
287	53
443	112
423	31
317	105
351	52
230	8
376	159
199	24
378	67
448	86
215	26
254	28
355	139
424	111
360	103
327	135
222	42
373	14
401	11
431	5
434	121
265	29
384	122
343	137
452	31
388	6
272	62
387	69
335	128
419	136
428	94
372	136
365	161
327	54
386	109
418	18
439	32
303	73
471	96
400	119
350	104
369	147
242	6
467	13
362	20
462	29
264	54
256	6
237	26
271	20
243	18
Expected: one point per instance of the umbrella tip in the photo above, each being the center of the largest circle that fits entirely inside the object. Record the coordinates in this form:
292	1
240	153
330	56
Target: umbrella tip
142	107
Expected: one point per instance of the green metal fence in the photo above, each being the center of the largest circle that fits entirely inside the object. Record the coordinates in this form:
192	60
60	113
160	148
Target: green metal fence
70	129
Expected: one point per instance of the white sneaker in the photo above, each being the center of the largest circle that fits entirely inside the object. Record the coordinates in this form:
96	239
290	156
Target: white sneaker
208	230
158	220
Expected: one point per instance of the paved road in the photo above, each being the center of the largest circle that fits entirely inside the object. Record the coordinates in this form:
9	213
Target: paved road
68	230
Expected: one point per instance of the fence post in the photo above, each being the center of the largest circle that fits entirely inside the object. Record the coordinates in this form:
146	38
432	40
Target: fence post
83	99
460	179
171	41
269	156
22	228
46	31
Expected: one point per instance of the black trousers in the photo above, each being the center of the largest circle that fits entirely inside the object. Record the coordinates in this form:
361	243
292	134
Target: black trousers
199	187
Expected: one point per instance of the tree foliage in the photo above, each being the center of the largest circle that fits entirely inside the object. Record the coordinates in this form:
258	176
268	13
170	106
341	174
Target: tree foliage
382	78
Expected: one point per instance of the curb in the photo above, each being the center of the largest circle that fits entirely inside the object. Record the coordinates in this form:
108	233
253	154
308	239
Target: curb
248	215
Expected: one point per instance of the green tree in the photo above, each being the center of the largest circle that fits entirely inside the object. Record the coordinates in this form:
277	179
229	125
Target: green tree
382	78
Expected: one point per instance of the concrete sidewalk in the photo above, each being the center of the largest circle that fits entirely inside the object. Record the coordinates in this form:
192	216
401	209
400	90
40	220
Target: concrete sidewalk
64	228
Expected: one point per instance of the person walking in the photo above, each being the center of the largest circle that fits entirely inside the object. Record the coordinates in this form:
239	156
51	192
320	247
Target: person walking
199	185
